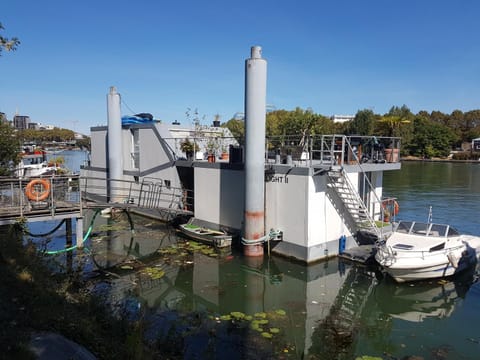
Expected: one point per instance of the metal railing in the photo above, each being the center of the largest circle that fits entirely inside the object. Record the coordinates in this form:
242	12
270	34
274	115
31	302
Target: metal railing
149	193
43	195
332	149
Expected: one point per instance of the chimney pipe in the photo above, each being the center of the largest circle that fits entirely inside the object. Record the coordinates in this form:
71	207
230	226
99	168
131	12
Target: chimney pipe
255	109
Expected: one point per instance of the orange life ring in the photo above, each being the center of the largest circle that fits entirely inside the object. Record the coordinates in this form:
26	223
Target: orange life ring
396	207
38	189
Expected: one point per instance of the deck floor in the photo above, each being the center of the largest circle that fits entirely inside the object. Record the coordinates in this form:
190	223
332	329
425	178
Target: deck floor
361	254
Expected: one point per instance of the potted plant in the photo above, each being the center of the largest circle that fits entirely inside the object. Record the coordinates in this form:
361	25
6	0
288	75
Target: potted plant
386	214
212	147
224	155
188	147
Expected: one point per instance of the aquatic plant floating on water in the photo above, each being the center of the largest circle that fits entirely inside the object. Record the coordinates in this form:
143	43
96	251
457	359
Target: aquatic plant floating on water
153	272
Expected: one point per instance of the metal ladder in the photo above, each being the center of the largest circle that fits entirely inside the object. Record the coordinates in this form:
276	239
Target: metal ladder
351	200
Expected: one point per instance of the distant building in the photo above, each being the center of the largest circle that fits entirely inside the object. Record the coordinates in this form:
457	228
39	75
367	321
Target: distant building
3	118
342	118
476	144
21	122
34	126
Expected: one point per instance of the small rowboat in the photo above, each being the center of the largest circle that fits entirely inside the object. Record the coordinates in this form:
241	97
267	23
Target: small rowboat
193	230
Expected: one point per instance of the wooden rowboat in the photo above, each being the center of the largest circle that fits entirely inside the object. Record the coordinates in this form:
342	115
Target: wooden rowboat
193	230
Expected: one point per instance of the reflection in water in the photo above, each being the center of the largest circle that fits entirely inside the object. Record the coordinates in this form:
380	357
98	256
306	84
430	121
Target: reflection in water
419	301
226	306
204	304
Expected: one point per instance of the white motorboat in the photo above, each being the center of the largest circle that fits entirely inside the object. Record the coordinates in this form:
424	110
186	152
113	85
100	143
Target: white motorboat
35	164
419	251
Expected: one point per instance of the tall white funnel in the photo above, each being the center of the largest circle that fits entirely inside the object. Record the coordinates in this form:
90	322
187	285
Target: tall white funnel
114	139
255	108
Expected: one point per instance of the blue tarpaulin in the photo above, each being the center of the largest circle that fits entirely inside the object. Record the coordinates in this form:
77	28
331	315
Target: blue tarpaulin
137	119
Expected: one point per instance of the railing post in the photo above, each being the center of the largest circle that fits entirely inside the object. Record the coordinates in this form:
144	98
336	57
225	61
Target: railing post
52	198
20	194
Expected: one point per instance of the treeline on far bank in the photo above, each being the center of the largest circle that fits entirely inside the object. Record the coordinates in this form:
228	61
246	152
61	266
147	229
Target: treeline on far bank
424	134
51	136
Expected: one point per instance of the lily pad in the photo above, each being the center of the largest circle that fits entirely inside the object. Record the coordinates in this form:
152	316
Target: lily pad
237	314
260	315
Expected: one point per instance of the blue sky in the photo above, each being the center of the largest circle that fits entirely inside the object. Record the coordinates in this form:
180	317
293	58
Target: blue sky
334	57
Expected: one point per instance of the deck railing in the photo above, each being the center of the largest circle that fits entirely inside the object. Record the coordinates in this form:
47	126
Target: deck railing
296	149
43	195
149	193
332	149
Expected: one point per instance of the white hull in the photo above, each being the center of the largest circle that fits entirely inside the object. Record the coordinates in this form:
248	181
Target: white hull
420	255
423	273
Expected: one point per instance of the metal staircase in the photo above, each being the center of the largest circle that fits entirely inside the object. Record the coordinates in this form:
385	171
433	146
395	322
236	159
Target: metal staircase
352	202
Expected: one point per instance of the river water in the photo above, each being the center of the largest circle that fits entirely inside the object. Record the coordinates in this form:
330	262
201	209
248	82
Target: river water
221	305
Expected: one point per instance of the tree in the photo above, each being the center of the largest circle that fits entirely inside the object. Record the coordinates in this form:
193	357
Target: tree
8	44
430	139
9	150
237	128
363	123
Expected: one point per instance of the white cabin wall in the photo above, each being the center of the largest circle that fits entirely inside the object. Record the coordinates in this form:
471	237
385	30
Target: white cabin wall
154	160
286	210
219	196
377	182
325	224
98	155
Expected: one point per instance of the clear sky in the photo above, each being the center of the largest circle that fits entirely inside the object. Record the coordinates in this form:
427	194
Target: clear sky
334	57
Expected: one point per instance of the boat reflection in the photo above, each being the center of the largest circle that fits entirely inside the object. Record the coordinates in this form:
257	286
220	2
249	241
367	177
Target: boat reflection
331	309
419	301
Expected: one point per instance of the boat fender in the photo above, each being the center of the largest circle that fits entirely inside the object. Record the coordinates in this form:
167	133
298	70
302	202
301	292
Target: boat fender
453	259
341	244
38	189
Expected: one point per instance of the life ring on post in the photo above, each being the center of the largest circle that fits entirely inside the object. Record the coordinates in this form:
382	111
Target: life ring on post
37	189
391	205
396	207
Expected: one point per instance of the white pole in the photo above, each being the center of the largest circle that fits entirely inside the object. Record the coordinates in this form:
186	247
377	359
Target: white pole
255	109
114	139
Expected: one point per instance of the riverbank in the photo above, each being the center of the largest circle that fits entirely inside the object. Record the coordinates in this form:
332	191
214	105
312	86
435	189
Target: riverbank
445	160
35	299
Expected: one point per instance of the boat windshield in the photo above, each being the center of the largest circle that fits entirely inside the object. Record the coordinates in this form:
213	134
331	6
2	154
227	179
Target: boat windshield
425	229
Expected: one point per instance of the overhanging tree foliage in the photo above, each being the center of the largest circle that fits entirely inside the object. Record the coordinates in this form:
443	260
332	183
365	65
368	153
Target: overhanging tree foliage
6	43
9	150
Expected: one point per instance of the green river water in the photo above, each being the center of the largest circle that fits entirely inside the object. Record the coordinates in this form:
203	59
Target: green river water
224	306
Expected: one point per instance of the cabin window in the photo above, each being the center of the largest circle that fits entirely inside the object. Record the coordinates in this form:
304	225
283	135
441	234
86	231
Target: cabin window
420	228
437	247
452	232
404	227
167	183
403	247
438	230
135	152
